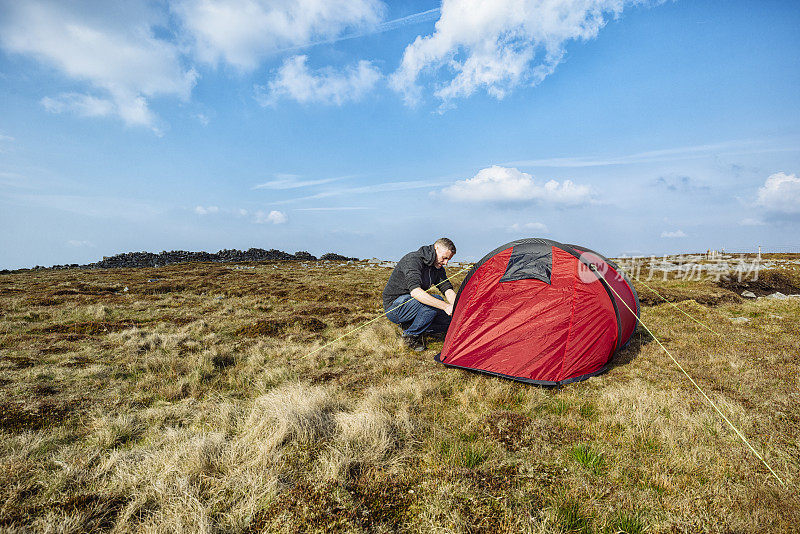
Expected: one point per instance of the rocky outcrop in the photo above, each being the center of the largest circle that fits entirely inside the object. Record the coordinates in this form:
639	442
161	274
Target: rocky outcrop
304	256
330	256
150	259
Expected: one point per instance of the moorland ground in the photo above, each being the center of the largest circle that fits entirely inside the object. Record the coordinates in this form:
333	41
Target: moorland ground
202	398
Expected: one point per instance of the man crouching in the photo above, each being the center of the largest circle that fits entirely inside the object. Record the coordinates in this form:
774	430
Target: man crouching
405	300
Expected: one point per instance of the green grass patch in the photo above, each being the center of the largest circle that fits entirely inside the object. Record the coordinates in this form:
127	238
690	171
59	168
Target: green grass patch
626	522
589	411
588	458
647	444
572	519
463	454
557	406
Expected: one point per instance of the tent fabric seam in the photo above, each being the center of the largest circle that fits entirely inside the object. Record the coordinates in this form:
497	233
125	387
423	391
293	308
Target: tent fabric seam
549	383
569	331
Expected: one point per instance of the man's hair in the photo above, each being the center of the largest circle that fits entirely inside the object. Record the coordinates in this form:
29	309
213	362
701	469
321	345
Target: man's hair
446	243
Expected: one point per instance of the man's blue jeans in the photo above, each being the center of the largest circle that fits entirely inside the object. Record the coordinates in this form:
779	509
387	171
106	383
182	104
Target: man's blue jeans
422	318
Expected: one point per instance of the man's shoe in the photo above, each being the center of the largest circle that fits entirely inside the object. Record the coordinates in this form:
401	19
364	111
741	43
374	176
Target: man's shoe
415	343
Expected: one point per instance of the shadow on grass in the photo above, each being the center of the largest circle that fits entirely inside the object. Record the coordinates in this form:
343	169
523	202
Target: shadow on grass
639	339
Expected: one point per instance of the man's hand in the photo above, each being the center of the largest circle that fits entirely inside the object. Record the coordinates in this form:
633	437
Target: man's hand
450	295
426	298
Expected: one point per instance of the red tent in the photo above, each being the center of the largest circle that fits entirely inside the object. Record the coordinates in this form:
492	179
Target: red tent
540	312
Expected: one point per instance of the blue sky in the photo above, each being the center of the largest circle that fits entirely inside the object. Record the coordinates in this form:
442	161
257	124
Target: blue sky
369	128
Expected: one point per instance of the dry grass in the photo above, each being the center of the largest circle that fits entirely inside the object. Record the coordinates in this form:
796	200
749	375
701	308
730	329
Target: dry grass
197	401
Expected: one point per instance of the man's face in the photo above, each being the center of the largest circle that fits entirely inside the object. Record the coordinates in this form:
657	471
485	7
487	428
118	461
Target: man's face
443	255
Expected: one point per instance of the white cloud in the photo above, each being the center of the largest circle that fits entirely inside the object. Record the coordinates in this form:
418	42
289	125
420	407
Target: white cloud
83	105
338	208
366	189
292	181
386	26
325	86
80	244
728	148
242	32
780	193
499	45
504	184
133	110
415	18
751	222
528	227
273	217
200	210
109	45
673	235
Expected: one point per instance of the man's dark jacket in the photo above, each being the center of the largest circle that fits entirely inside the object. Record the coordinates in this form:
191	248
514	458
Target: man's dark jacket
415	269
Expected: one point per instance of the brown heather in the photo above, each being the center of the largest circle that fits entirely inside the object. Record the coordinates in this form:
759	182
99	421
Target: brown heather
197	401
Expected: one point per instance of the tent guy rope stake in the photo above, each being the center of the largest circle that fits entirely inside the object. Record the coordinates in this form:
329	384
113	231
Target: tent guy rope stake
713	404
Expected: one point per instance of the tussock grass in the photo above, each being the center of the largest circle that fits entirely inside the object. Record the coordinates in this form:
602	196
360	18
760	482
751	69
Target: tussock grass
588	458
376	437
110	432
175	406
292	413
571	517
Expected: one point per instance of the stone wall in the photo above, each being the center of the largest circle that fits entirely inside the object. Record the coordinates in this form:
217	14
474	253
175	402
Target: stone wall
150	259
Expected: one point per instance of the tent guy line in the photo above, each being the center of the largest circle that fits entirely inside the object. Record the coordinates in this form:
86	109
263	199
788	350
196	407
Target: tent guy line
713	404
378	317
680	310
